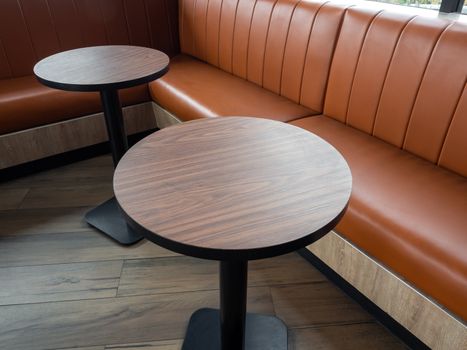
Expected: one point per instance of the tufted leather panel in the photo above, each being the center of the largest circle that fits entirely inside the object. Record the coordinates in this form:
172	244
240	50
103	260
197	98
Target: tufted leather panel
439	93
453	154
265	40
275	45
401	79
409	215
33	29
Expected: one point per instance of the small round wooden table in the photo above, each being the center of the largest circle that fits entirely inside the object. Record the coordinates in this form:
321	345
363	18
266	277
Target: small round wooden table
105	69
233	189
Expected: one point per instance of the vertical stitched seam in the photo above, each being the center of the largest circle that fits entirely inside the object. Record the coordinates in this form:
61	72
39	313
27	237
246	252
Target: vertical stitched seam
306	51
49	11
75	8
407	125
125	12
181	27
248	40
285	46
333	51
266	41
107	38
206	31
27	29
450	124
358	63
387	72
219	35
195	51
205	53
169	25
7	59
233	37
148	22
193	29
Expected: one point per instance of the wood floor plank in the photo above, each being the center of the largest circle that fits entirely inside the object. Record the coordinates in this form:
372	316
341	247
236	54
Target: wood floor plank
168	275
59	248
344	337
72	196
98	170
153	345
48	248
61	282
109	321
315	304
11	198
87	348
38	221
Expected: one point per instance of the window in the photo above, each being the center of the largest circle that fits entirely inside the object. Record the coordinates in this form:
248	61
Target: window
426	4
447	6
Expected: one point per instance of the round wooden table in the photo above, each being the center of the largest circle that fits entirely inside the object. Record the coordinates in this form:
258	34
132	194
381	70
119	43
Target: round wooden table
105	69
233	189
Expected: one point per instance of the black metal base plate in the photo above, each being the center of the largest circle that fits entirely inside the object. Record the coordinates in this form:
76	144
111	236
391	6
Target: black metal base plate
108	219
263	332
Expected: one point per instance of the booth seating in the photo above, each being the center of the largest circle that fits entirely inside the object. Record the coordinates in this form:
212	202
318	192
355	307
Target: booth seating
30	113
388	90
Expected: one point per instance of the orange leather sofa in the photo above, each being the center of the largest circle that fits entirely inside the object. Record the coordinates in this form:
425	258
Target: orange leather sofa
32	30
388	90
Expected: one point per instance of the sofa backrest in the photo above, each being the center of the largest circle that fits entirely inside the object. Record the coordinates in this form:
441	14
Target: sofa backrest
285	46
403	79
33	29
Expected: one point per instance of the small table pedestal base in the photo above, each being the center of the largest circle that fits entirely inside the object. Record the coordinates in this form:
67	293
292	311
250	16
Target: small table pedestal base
262	332
108	219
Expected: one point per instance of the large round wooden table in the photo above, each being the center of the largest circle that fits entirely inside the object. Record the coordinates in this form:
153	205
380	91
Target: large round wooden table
233	189
105	69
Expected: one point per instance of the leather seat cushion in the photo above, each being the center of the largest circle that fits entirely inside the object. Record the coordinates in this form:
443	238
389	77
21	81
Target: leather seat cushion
406	212
193	89
26	103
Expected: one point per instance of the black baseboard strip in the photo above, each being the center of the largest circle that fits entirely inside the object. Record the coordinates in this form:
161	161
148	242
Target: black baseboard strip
385	319
62	159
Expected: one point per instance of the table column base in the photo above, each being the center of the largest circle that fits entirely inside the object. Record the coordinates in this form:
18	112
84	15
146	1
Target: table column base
262	332
108	219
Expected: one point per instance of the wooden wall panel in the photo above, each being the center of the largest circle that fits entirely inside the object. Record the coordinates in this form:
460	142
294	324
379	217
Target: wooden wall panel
418	314
36	143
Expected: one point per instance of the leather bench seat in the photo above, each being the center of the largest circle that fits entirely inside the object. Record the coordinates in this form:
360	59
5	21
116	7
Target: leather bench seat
25	103
411	215
193	89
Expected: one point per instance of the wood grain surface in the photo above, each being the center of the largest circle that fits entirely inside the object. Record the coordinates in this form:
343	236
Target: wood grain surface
60	274
422	317
233	188
51	139
101	67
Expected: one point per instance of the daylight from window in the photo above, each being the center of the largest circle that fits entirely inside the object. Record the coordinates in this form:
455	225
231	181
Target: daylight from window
427	4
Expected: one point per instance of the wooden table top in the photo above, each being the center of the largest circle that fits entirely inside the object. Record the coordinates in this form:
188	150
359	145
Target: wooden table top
101	67
233	188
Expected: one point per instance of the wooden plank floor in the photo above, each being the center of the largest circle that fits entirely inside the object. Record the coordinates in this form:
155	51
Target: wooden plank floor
65	286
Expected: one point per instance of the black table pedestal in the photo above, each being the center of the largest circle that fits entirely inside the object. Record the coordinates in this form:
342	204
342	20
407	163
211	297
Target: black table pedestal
232	328
107	217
